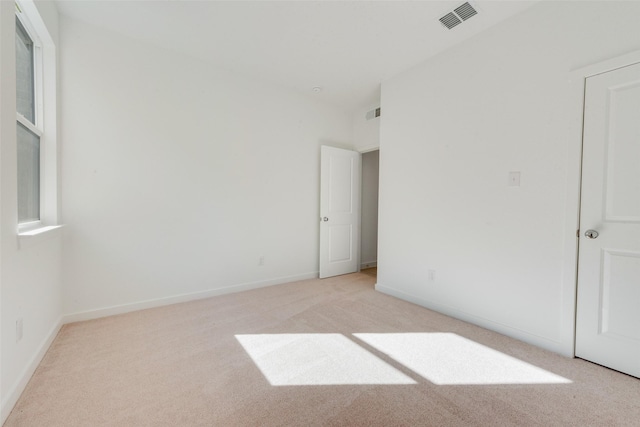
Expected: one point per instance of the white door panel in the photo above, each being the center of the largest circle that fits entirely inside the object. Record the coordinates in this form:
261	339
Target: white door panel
339	211
340	242
608	313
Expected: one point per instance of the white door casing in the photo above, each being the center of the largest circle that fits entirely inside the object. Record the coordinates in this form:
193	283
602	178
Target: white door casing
340	172
608	305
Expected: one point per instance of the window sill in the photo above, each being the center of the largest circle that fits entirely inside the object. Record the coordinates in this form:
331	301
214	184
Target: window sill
37	235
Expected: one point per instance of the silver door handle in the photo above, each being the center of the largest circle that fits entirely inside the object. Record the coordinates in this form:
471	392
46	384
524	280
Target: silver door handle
591	234
325	219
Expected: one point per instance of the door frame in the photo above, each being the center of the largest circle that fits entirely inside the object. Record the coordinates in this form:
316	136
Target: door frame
577	83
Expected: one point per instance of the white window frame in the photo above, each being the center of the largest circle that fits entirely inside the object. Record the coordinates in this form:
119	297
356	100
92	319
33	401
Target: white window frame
45	113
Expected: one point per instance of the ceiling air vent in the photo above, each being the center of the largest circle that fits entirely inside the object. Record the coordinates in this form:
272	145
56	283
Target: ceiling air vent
373	114
459	14
450	20
465	11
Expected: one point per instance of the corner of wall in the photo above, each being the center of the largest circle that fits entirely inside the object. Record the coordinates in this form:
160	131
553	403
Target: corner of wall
14	393
366	130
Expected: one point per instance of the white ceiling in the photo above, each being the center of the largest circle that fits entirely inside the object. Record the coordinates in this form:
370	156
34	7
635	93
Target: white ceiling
346	47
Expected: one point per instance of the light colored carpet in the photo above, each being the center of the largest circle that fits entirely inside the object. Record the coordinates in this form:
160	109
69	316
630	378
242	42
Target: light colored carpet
319	352
371	271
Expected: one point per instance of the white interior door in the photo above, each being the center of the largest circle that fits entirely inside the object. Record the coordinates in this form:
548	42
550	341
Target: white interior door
339	211
608	313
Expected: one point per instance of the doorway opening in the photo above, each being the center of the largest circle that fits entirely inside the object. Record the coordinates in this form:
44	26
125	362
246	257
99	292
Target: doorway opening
369	212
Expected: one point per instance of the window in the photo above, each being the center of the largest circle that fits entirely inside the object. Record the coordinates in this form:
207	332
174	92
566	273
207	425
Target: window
36	121
28	175
28	132
25	70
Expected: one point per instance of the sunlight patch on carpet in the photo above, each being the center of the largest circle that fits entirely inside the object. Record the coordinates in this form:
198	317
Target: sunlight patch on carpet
317	359
449	359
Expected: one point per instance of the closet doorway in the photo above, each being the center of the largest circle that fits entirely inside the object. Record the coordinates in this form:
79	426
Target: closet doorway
369	211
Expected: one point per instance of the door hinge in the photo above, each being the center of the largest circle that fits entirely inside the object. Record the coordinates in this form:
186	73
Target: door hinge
578	233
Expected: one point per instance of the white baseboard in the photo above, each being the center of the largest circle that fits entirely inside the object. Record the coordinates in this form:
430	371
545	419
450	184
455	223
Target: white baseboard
519	334
368	264
14	393
159	302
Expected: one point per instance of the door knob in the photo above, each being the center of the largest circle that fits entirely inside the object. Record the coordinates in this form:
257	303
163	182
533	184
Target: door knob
591	234
325	219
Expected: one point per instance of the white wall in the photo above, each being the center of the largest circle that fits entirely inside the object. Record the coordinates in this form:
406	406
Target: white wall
452	128
179	176
369	221
366	133
31	273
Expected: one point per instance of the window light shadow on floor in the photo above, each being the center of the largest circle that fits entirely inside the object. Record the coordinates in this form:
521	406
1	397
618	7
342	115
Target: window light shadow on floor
317	359
334	359
449	359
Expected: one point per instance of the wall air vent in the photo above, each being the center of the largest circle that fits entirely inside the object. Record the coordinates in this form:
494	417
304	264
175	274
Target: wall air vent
373	114
459	14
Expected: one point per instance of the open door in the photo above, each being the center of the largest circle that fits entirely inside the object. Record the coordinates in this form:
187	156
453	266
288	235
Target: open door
608	314
339	211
